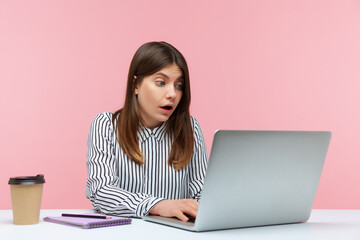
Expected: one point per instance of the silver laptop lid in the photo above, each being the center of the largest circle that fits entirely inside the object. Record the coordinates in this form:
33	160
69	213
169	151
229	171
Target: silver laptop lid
259	178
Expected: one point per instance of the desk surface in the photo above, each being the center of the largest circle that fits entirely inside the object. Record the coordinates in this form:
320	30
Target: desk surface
323	224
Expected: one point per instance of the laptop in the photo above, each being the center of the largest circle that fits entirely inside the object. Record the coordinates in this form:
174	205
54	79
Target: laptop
258	178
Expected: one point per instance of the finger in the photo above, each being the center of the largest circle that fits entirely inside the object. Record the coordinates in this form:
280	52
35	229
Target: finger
191	202
191	212
195	205
182	217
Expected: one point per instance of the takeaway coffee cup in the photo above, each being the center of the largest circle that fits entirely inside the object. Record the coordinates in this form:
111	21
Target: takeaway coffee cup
26	195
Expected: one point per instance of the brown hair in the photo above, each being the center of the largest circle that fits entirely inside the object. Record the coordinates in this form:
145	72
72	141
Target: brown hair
149	59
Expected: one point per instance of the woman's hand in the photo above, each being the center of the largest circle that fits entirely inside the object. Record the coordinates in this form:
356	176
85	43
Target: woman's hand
176	208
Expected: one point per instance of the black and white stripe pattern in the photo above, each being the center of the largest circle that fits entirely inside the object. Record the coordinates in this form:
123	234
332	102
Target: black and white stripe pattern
117	185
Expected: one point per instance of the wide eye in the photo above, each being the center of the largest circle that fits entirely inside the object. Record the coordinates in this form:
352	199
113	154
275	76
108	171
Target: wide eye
160	83
179	86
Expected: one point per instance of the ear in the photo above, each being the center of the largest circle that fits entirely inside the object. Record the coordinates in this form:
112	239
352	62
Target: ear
135	86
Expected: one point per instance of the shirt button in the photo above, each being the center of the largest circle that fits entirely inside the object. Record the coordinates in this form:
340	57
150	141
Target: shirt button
152	134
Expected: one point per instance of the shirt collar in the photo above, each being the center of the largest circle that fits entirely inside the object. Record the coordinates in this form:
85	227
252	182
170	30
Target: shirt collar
158	133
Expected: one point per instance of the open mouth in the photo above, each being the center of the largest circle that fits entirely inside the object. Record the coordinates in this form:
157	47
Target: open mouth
167	107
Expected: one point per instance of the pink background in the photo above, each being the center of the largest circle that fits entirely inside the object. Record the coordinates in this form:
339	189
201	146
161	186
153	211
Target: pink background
259	65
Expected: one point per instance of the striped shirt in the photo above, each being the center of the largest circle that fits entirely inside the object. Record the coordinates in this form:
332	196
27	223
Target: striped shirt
116	185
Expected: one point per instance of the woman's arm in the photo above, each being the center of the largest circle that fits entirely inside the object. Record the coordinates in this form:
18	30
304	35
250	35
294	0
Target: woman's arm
176	208
102	166
198	163
197	170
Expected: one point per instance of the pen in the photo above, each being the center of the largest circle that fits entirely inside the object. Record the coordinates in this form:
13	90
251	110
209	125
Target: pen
84	216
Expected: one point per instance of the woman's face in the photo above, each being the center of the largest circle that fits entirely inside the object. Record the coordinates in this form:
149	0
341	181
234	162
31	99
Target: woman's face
159	94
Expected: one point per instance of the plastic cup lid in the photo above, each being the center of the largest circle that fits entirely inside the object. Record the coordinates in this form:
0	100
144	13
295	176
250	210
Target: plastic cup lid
27	180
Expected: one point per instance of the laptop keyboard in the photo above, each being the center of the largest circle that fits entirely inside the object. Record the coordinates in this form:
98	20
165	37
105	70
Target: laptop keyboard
191	218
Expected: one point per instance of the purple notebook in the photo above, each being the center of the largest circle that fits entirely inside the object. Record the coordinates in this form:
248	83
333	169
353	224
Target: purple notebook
89	222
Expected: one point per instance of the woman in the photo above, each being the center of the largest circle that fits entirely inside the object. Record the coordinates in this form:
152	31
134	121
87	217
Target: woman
150	156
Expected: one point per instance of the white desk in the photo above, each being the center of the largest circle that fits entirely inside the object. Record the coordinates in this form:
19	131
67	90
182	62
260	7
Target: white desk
323	224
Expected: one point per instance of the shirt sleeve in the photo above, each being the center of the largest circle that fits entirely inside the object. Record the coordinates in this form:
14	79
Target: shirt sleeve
198	162
102	183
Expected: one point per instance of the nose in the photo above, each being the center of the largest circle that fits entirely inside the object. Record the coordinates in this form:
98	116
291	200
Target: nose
171	92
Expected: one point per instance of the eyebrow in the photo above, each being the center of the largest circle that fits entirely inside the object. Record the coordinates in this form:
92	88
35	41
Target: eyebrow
167	77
